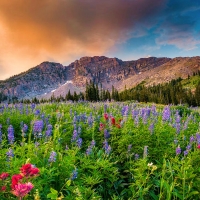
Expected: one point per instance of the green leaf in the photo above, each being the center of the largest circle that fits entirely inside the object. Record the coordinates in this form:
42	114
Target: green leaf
192	193
53	191
68	183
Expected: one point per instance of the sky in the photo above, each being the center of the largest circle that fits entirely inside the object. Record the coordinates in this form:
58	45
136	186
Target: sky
34	31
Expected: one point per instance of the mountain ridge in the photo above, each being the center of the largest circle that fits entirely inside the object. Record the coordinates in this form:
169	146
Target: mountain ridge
50	76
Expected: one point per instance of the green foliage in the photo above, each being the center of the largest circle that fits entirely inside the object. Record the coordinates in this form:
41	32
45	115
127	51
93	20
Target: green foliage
124	172
175	92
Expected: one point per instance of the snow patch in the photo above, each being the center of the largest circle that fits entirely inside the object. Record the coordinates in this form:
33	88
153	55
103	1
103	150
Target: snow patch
53	90
67	82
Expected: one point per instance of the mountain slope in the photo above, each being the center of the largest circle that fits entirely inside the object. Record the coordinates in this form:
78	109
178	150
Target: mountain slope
48	76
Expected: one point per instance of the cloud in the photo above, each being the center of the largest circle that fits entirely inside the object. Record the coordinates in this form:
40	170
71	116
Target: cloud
178	26
65	29
179	32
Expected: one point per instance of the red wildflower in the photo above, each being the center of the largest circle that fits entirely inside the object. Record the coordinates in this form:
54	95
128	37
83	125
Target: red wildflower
106	116
4	175
3	188
198	146
22	189
15	179
29	170
112	120
101	126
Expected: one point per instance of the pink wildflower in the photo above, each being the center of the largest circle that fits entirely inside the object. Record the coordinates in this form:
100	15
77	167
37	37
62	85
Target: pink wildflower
3	188
15	180
29	170
22	189
4	175
106	116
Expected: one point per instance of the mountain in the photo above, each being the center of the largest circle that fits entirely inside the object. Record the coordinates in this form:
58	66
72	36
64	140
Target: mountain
53	78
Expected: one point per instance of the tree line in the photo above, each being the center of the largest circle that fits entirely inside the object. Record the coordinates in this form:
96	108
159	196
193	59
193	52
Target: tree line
168	93
172	92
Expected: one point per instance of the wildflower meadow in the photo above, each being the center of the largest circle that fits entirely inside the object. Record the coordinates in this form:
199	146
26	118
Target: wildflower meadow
103	150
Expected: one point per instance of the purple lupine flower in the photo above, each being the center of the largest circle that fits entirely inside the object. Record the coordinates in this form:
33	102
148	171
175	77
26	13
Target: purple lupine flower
136	121
93	143
79	130
52	157
192	139
79	142
144	118
177	117
42	116
38	126
10	154
74	119
166	113
66	147
136	156
185	153
129	148
11	137
188	147
135	113
198	138
90	121
74	136
145	153
106	147
105	144
108	150
74	175
106	134
49	130
24	128
185	126
151	128
177	124
32	106
178	150
178	127
125	110
37	112
153	110
89	149
47	120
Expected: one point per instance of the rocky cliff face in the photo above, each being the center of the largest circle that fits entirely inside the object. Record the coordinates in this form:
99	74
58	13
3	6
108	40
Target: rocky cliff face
35	81
49	77
109	71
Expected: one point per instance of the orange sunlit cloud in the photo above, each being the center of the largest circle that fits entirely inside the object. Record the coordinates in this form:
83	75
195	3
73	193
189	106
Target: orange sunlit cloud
63	30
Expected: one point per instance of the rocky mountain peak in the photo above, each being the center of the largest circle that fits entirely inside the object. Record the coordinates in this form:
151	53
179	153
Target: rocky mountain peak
49	76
